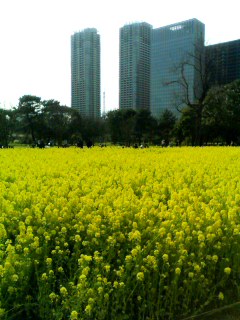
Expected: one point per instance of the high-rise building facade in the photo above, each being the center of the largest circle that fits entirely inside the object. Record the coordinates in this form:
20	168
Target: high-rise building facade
85	72
134	66
175	57
224	62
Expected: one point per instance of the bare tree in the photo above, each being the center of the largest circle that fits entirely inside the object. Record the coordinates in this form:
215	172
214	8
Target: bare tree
192	91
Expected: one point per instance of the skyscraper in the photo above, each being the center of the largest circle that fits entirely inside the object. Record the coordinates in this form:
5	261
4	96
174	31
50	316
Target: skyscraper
175	57
85	71
134	66
224	61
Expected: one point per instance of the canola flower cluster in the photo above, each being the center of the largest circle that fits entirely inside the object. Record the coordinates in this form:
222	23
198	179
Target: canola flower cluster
118	233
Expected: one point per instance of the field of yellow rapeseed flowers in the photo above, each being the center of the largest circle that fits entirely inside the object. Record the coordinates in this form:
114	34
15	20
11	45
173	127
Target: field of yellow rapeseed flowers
118	233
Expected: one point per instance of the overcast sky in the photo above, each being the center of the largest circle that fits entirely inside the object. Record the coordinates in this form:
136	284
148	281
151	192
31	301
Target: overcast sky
35	37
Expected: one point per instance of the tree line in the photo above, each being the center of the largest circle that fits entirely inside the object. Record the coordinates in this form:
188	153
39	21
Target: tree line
34	120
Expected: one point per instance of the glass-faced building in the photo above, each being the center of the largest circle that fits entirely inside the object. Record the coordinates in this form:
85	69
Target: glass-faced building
224	60
176	52
134	66
85	72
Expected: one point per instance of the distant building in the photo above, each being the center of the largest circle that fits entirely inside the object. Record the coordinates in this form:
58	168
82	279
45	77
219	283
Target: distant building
171	46
134	66
224	60
85	72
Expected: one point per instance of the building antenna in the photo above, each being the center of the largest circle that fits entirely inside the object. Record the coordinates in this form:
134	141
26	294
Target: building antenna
104	106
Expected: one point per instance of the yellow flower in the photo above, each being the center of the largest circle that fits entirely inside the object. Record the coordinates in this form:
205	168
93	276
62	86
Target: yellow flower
140	276
85	271
74	315
197	268
88	309
134	253
221	296
64	230
53	296
107	267
135	235
15	277
165	257
90	301
26	251
82	277
44	276
63	291
77	238
51	273
100	290
91	213
227	270
177	271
